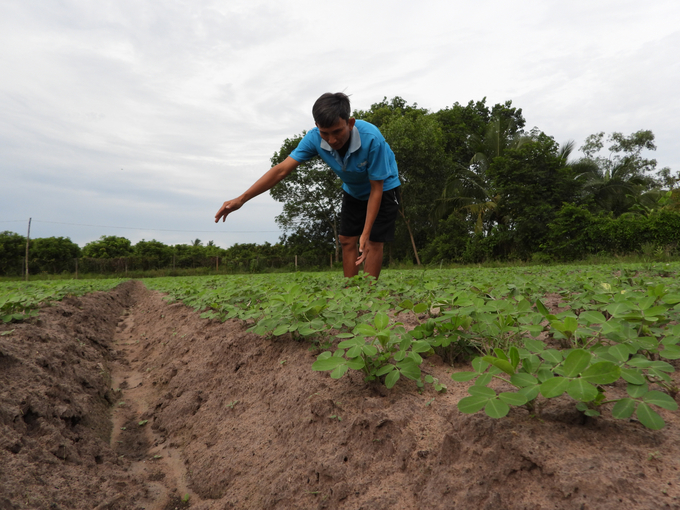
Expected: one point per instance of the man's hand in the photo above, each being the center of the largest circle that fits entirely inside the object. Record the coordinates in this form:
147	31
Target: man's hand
363	248
228	207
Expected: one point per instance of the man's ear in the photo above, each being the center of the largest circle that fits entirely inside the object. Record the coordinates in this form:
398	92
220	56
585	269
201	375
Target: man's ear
350	122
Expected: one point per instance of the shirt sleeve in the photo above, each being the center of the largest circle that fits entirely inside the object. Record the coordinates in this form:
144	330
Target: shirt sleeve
380	160
307	148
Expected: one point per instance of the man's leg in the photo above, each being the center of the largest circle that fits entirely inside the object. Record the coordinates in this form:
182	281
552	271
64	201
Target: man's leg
350	253
374	259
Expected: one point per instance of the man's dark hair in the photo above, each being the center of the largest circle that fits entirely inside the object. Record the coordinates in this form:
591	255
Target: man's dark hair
331	107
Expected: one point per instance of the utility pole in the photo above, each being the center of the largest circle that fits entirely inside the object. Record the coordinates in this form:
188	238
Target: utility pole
28	240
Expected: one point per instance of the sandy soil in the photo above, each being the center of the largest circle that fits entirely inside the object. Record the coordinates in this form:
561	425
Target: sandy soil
120	400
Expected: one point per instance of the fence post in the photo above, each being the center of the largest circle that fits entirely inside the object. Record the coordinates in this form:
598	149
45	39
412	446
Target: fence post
76	268
28	239
296	262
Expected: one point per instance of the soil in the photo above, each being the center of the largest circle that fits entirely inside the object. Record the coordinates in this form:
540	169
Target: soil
120	400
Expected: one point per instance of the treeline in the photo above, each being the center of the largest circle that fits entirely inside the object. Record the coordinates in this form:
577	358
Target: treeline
477	186
113	254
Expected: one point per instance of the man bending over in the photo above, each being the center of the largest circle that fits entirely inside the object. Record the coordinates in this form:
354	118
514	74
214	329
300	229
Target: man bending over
358	153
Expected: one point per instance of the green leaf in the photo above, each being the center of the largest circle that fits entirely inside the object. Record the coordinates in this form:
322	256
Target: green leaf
592	317
505	366
354	351
369	350
483	391
671	352
500	354
479	365
365	330
660	399
639	362
338	372
483	379
581	390
420	308
392	378
541	308
407	304
327	364
624	408
420	346
463	376
410	370
552	356
523	380
496	408
346	344
470	405
576	362
530	392
513	399
632	375
637	390
603	372
554	387
662	365
281	330
385	369
534	345
649	418
617	309
513	354
620	352
381	321
356	364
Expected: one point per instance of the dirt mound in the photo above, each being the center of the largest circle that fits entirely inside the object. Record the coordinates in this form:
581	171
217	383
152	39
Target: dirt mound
121	400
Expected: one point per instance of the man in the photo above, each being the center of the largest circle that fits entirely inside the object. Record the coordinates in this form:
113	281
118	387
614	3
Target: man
358	153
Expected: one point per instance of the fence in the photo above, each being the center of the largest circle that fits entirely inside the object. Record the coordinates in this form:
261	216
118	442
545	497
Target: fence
121	266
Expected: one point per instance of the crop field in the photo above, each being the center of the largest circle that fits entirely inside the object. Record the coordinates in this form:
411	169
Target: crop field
526	387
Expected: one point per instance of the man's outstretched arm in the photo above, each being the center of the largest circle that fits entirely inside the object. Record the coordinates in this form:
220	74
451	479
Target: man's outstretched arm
264	183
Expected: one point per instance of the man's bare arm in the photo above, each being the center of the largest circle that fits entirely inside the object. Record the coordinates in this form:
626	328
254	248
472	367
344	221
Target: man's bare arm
273	176
372	209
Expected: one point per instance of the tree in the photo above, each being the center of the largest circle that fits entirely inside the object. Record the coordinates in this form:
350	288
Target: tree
617	182
533	181
311	196
155	250
108	247
50	252
12	250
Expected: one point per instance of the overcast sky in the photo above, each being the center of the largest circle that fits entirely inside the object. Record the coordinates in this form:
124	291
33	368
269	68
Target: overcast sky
138	118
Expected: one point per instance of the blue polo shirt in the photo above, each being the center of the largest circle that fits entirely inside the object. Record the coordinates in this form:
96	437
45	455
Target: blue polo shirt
368	158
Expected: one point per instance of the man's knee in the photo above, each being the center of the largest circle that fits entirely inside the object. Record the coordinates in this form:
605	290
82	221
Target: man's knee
346	241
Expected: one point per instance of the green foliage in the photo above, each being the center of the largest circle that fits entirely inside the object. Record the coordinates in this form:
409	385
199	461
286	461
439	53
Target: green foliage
20	301
576	233
108	247
12	249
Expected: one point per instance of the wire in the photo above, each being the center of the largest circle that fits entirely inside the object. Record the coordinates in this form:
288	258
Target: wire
149	229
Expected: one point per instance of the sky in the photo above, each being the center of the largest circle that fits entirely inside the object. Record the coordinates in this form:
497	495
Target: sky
139	118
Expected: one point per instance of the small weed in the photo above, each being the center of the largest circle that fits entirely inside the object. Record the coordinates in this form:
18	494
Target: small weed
335	417
143	422
5	333
231	404
654	456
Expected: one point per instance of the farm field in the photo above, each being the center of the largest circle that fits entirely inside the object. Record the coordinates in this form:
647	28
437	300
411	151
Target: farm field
252	391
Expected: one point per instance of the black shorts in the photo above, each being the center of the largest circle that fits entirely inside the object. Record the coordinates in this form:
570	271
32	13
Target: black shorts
353	216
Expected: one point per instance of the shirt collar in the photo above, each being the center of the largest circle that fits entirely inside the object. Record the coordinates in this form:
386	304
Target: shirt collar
354	142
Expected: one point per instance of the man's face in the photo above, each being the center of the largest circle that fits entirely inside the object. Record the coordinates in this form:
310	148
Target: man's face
337	135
